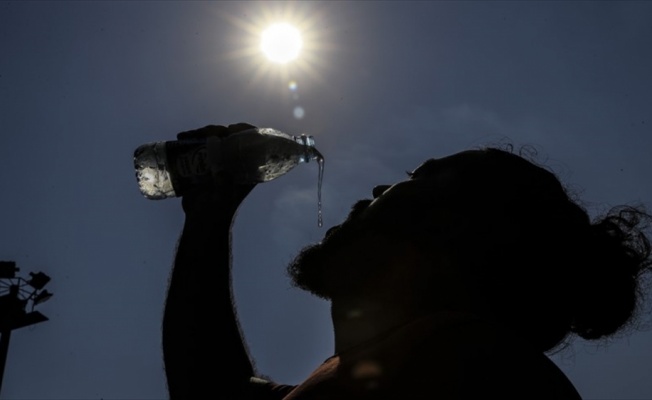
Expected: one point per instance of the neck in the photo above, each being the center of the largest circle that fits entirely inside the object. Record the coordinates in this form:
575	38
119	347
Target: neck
409	286
356	322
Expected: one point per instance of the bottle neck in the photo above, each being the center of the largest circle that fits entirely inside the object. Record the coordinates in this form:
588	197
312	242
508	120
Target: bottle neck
308	143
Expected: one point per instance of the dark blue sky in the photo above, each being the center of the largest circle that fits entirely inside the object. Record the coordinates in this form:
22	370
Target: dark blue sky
384	86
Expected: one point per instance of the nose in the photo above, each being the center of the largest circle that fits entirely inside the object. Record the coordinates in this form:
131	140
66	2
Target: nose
379	190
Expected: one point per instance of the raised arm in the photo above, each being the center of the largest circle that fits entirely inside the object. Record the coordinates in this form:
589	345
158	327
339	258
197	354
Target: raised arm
204	352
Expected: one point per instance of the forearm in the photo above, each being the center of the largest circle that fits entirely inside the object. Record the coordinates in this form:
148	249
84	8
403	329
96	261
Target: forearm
200	327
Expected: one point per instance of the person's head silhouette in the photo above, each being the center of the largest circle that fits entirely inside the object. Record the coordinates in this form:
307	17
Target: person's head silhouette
486	232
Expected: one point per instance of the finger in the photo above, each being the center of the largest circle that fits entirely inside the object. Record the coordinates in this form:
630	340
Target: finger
202	133
239	127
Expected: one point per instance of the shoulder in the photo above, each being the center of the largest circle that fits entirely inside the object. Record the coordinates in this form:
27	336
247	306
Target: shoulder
262	389
471	358
439	356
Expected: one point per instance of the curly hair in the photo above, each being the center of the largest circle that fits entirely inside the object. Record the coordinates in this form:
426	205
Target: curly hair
613	291
550	270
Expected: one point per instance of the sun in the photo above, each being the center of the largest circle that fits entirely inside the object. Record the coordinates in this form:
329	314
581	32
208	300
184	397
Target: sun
272	43
281	43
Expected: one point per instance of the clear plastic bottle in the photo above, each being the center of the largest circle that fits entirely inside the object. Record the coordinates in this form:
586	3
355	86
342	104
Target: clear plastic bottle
167	169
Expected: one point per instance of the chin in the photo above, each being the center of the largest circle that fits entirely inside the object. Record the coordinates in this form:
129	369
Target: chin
308	271
335	266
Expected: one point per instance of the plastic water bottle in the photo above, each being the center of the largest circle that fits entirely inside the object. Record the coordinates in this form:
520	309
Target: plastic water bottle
166	169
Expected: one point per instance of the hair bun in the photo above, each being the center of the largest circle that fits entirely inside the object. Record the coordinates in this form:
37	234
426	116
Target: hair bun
609	294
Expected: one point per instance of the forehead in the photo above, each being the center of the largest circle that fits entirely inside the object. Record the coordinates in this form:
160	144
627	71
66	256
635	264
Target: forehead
491	168
462	161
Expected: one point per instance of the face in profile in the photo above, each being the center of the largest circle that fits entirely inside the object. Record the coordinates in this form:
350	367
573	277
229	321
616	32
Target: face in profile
432	202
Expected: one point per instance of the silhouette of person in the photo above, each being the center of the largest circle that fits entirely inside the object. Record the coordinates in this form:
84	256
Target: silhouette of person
455	283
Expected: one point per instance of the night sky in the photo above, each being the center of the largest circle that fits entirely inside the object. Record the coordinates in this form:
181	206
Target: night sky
381	86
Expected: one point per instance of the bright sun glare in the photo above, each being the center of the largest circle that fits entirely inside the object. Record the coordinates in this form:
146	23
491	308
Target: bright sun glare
281	43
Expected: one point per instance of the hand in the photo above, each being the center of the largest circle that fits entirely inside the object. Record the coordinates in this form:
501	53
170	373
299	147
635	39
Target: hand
224	196
220	131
